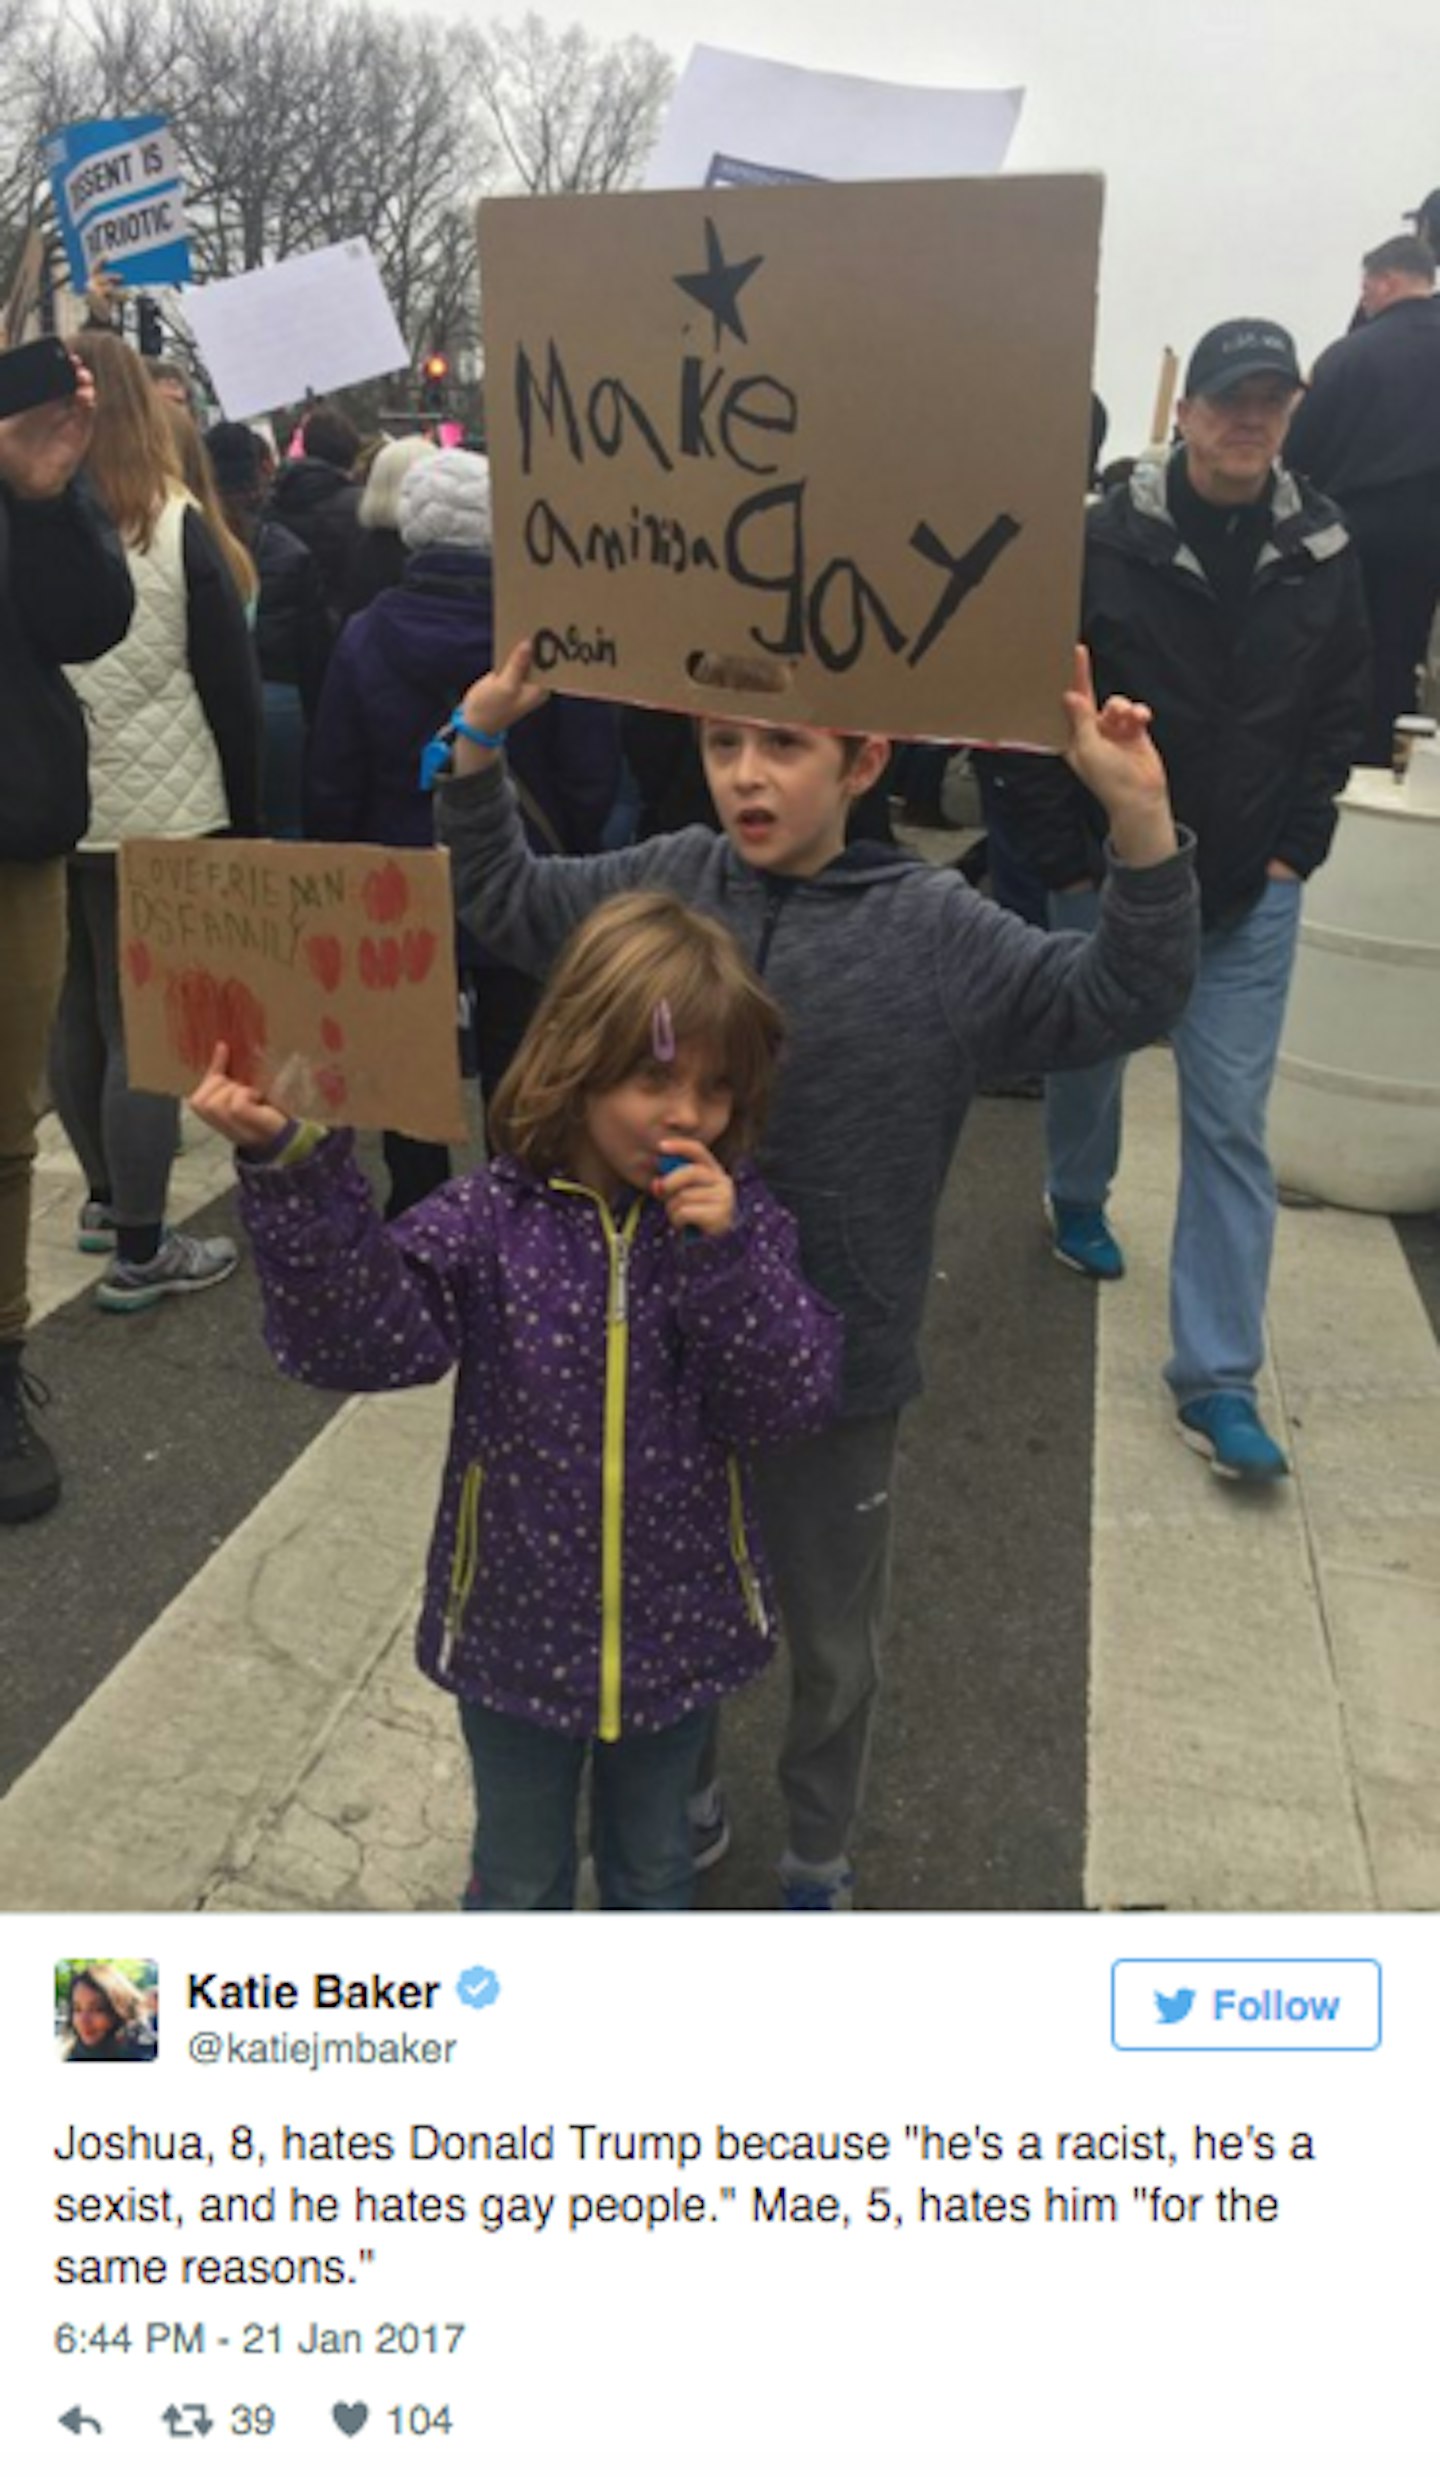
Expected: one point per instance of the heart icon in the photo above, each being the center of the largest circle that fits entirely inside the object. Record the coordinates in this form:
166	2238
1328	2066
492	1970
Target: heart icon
385	894
326	958
419	949
350	2416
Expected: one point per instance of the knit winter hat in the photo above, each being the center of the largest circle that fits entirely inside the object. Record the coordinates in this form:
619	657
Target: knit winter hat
445	500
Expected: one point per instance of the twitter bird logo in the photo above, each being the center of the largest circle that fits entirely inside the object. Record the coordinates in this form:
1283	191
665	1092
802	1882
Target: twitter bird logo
1173	2008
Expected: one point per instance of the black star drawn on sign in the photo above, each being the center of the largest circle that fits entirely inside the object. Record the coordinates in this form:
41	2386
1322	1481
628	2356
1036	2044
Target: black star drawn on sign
717	289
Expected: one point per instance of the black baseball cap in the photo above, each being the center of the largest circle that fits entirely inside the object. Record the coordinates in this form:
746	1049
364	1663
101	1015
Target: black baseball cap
1238	349
1427	212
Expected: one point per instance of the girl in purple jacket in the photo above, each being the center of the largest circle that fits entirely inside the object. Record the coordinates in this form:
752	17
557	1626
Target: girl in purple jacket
622	1302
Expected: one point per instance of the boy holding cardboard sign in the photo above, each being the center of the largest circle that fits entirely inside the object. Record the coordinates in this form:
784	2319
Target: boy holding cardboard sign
902	991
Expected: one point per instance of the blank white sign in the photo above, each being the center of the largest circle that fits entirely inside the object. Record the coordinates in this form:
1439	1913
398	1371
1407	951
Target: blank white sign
305	326
736	119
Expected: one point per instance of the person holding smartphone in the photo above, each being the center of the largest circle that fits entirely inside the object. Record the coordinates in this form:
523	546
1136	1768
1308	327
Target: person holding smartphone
65	596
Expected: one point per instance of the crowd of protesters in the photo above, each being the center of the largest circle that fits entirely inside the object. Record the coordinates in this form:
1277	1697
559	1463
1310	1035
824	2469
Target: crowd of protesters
201	638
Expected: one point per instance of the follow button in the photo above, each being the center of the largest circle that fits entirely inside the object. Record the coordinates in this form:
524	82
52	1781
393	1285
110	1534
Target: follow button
1248	2005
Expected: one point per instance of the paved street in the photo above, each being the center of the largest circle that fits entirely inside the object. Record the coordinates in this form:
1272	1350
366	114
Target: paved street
1114	1682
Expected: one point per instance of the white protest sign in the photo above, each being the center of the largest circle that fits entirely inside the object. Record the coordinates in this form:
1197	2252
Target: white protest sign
736	120
304	326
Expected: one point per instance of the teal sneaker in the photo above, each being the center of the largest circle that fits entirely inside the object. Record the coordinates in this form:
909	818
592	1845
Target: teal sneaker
1227	1429
95	1229
1084	1240
181	1264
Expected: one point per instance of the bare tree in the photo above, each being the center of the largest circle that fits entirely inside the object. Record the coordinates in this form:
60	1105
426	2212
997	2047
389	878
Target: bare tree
297	128
568	112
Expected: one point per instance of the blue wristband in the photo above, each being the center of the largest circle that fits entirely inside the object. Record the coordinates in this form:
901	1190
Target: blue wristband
467	731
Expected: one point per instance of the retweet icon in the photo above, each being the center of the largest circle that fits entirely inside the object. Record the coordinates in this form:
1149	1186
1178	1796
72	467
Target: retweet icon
477	1988
1173	2008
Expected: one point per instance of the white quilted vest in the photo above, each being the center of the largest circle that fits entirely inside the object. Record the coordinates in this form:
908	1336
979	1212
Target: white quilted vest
154	766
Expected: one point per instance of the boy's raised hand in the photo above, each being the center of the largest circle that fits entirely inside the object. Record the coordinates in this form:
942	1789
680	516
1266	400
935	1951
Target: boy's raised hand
698	1194
1111	750
236	1111
496	703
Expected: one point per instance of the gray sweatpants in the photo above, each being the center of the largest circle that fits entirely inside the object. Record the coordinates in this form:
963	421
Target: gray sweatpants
826	1505
125	1140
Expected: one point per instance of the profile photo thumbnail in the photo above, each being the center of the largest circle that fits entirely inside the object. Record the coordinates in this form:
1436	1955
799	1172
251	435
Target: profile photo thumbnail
107	2012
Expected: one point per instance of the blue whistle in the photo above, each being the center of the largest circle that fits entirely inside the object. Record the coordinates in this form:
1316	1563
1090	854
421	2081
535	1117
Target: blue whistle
665	1163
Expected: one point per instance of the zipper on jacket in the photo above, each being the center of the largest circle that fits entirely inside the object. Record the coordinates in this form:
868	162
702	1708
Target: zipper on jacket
618	1243
740	1551
612	1479
463	1563
775	895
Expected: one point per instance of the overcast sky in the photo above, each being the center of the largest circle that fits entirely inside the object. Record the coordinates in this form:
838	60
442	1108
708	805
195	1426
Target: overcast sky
1251	148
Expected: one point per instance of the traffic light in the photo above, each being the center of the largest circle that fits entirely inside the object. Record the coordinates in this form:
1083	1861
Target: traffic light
434	381
152	333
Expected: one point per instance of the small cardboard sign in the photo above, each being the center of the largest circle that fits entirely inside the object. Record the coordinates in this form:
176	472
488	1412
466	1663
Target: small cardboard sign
326	968
831	439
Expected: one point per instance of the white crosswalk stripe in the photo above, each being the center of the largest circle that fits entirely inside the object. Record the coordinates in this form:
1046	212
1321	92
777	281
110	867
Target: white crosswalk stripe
1265	1686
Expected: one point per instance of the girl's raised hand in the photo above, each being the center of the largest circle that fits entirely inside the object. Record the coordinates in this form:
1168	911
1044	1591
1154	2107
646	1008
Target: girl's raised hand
496	703
699	1195
236	1111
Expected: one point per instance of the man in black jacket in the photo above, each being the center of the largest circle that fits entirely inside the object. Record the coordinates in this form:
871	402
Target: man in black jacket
1228	597
1368	433
314	496
65	596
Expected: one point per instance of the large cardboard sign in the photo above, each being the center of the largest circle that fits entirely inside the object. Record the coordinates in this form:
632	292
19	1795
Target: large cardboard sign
829	440
302	327
326	968
120	200
736	119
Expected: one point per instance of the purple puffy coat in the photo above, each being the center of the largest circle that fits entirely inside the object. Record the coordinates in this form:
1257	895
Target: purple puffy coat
595	1567
399	668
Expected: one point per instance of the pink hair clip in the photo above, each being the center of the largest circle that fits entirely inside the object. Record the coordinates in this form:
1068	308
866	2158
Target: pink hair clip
662	1033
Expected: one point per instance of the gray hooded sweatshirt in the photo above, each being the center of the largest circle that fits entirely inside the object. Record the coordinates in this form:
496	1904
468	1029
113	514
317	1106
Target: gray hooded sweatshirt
902	990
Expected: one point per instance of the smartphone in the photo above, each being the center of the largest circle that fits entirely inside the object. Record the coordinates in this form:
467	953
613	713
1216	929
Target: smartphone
38	373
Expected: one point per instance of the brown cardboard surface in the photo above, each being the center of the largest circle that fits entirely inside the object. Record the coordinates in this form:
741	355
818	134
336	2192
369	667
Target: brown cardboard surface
326	968
841	427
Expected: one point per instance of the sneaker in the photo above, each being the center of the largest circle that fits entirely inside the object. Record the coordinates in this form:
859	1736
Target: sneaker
180	1263
95	1229
816	1887
709	1828
1226	1428
29	1478
1084	1240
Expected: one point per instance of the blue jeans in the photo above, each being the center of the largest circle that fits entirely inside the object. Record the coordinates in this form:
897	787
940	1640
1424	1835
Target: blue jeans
527	1789
1225	1048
